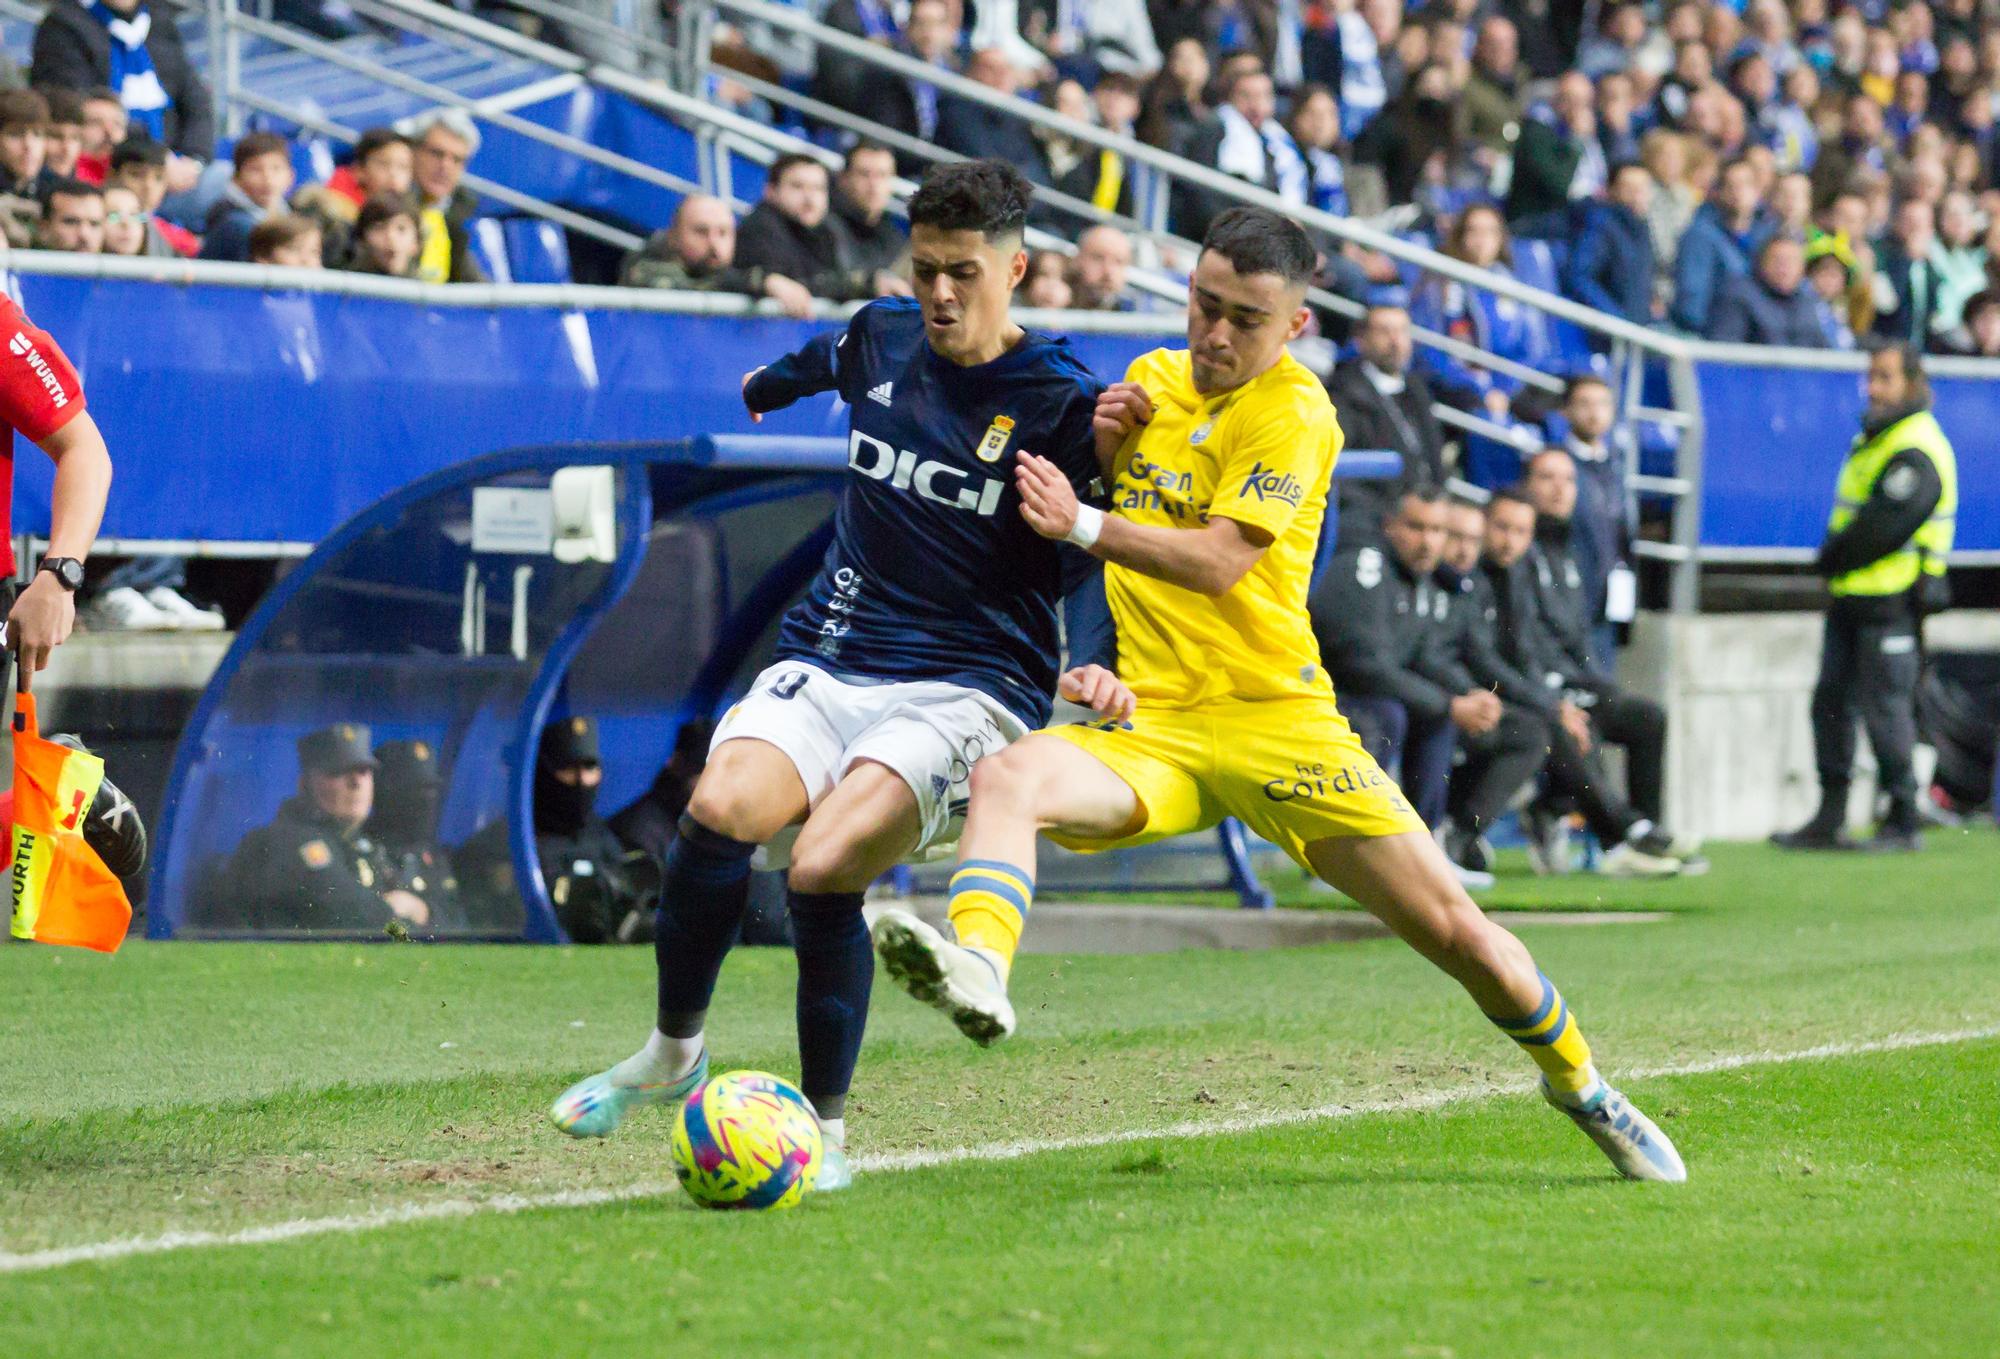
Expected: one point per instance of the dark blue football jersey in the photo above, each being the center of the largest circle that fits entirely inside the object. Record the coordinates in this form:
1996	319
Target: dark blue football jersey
933	574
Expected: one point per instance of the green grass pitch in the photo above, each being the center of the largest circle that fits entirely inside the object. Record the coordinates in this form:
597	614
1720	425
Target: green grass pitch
1844	1195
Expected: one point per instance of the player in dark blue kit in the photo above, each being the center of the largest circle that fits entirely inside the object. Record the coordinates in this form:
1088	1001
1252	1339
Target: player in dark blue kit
928	640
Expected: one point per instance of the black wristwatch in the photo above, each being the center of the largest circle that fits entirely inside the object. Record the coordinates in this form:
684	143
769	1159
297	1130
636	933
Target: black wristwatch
68	572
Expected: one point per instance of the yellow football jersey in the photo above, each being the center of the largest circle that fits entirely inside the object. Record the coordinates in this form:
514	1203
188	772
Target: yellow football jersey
1262	455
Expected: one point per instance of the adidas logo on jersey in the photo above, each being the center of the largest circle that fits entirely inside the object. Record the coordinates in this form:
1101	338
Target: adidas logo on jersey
22	346
935	481
881	393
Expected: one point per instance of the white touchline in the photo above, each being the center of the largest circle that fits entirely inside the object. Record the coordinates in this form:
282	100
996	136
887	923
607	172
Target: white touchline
96	1252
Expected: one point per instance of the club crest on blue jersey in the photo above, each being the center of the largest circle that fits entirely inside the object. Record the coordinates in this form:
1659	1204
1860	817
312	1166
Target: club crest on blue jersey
995	443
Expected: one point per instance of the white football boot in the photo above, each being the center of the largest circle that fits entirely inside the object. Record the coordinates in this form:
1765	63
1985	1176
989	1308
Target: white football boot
960	981
1634	1142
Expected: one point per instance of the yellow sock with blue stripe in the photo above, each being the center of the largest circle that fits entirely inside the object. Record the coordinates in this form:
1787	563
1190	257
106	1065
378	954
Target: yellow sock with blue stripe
989	908
1553	1039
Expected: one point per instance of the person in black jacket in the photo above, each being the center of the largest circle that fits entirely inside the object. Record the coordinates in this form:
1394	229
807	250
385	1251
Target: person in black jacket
1246	140
1499	762
314	867
866	90
1611	266
1636	845
409	793
788	233
602	890
875	244
980	132
137	52
1771	305
1105	177
1562	596
1884	579
1386	637
1384	403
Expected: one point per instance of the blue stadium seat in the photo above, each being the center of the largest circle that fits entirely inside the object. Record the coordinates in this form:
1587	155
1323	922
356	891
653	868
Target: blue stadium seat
489	247
1491	463
537	251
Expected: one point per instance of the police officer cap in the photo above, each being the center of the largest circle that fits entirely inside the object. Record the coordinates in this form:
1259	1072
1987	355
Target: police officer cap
570	740
409	762
336	749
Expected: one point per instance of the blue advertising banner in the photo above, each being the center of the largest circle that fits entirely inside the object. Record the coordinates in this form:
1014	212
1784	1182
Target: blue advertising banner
241	415
1776	437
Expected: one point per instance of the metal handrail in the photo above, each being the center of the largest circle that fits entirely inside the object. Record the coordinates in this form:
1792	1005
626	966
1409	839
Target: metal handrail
483	109
602	27
1830	360
499	193
496	296
1518	436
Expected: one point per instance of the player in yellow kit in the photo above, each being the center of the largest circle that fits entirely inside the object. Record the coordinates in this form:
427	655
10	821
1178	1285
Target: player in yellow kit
1220	457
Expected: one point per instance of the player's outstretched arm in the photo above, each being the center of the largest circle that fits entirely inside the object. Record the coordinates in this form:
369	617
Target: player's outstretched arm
1207	560
812	368
45	612
1098	690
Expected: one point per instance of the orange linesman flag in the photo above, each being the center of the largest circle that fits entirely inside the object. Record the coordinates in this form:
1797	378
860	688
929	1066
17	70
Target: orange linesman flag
63	893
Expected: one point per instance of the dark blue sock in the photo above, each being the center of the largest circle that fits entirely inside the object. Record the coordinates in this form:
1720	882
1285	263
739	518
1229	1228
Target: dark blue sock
836	973
702	899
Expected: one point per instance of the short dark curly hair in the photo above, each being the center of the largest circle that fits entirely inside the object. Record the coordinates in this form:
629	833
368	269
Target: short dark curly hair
1260	241
987	196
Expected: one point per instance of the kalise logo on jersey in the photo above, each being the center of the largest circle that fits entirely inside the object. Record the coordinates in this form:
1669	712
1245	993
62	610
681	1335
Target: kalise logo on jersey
24	347
1268	484
937	481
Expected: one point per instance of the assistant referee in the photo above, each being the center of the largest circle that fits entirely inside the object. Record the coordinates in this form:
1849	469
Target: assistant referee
1884	559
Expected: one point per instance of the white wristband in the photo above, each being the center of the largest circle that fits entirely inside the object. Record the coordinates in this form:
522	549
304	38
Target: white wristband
1089	524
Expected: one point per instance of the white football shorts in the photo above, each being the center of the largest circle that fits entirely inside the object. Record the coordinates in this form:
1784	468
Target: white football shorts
929	733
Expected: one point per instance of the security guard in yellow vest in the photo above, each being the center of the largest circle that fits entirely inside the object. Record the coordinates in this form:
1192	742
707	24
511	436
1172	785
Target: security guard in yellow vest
1884	560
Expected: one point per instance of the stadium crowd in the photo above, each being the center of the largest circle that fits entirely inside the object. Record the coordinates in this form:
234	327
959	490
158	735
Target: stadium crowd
1803	174
1806	173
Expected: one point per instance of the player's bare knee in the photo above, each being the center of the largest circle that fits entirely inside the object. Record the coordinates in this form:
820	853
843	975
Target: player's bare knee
1005	780
1480	948
728	808
1459	939
825	864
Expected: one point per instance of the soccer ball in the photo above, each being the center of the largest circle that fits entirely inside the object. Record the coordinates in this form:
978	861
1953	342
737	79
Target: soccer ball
747	1140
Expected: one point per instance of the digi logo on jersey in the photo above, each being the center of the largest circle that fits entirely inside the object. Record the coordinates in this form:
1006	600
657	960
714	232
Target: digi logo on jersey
935	481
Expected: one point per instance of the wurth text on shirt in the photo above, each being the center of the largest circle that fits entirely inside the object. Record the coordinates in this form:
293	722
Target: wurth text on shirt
23	347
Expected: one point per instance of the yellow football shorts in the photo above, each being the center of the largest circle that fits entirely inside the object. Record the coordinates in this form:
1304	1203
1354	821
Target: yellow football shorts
1290	769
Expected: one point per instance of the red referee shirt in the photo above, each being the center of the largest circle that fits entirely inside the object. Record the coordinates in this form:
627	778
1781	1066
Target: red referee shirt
39	394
